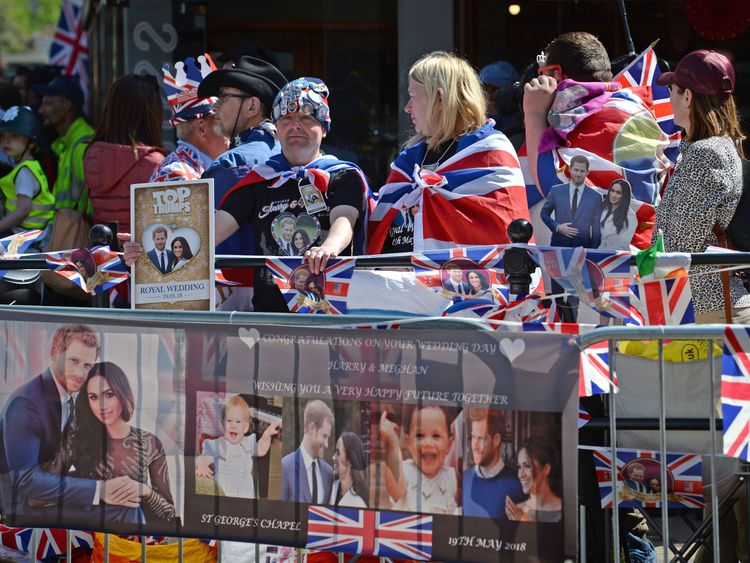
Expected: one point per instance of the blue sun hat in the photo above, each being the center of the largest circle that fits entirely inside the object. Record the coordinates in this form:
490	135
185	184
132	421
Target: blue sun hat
303	95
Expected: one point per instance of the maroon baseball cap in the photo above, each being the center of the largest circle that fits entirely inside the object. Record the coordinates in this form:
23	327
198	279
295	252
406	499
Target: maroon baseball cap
702	71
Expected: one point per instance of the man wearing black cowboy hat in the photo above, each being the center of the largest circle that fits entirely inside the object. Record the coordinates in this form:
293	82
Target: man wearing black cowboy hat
245	95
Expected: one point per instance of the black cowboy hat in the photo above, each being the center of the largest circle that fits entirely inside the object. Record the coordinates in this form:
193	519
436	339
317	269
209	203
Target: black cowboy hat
254	76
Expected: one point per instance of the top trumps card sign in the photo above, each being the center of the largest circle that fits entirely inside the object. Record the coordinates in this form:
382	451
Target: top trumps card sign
174	224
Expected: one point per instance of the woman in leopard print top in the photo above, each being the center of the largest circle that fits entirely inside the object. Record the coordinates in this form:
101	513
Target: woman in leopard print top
706	185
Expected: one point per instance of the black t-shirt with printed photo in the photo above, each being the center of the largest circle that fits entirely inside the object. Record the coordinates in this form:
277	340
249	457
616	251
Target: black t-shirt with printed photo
400	237
283	227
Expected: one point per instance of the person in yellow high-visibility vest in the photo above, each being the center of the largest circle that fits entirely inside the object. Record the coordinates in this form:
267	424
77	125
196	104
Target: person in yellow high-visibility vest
29	204
62	109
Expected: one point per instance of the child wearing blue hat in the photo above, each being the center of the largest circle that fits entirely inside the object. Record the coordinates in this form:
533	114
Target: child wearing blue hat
29	204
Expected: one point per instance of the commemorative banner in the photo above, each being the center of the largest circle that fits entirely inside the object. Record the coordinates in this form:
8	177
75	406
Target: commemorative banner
448	445
174	222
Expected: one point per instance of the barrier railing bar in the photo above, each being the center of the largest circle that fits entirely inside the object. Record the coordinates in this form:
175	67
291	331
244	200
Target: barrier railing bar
106	548
582	532
677	332
613	458
663	452
712	462
376	261
602	423
68	548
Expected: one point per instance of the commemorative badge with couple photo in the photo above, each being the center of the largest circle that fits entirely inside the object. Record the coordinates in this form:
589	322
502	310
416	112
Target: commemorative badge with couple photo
174	222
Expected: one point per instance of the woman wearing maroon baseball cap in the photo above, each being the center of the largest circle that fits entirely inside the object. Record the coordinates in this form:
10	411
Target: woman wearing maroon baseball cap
706	185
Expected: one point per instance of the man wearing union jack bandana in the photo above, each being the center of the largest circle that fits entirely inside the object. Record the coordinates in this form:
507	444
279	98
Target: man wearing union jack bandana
323	197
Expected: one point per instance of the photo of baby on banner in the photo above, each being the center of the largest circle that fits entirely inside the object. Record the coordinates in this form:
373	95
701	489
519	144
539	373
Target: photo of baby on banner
308	293
238	445
639	480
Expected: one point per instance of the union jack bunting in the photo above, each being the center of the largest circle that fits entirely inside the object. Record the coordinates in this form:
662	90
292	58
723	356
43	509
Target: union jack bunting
13	245
69	48
595	377
52	541
662	302
610	275
432	268
470	199
369	532
684	487
583	417
94	271
18	243
309	293
601	278
18	539
183	163
221	279
735	392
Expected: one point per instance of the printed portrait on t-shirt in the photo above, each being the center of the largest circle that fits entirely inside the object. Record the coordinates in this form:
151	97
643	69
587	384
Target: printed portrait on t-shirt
295	234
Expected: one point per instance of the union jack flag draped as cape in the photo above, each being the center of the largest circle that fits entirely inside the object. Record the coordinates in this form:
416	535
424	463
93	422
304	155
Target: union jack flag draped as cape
685	486
470	199
108	270
735	392
277	171
369	532
69	48
13	245
52	541
332	285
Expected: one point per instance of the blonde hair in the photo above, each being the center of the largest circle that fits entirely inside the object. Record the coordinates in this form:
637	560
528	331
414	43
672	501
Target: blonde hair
452	82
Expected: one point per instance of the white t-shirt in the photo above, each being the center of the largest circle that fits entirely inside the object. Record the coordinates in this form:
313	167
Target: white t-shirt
436	495
26	184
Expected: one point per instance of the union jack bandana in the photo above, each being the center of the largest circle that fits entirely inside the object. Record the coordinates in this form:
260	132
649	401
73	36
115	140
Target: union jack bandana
303	95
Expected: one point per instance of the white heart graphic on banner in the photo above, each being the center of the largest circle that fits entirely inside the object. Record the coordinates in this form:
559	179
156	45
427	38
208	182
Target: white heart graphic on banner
250	337
512	348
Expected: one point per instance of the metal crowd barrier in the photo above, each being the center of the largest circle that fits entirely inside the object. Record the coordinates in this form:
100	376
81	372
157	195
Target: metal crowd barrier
711	333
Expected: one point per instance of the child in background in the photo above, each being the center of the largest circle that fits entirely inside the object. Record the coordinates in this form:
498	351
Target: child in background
232	454
29	204
424	483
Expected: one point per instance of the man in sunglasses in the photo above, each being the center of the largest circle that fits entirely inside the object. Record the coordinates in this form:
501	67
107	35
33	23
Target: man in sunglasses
245	93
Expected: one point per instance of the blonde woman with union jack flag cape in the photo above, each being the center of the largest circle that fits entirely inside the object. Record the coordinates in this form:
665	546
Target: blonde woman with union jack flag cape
458	181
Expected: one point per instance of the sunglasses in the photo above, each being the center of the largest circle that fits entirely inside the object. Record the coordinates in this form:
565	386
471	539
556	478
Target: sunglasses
543	70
